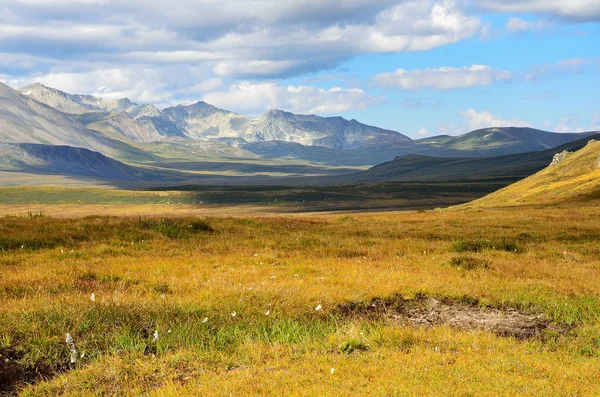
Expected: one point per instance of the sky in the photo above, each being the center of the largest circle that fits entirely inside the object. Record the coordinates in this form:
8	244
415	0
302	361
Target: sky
420	67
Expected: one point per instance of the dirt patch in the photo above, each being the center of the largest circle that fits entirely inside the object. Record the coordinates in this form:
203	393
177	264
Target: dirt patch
468	316
14	375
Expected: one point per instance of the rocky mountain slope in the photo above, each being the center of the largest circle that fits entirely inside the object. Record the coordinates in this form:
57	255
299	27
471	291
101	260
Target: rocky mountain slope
332	132
75	104
152	122
123	127
145	134
202	120
25	120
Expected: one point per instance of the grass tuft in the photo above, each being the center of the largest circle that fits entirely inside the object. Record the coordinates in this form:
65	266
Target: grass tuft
469	262
353	345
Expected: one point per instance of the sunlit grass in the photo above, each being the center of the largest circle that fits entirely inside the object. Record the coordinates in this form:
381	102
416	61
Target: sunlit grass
165	290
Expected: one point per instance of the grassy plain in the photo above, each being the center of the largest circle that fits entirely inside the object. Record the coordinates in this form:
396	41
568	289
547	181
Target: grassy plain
166	289
208	199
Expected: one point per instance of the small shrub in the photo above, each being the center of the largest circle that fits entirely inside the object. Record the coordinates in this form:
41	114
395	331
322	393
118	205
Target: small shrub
469	262
476	245
352	345
480	244
508	246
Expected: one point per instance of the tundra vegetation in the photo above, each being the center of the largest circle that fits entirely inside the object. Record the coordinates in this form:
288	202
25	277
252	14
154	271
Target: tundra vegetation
452	302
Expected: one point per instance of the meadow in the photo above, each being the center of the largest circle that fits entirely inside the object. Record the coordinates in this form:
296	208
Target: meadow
457	302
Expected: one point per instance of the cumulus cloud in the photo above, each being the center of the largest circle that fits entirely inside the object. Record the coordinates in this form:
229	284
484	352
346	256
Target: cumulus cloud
251	38
485	119
253	98
578	10
444	78
161	86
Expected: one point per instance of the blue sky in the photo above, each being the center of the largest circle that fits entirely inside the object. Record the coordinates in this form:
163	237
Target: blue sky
421	67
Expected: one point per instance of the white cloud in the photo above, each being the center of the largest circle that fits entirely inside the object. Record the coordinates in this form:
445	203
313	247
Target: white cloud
475	121
572	123
255	38
568	66
422	132
253	68
444	78
160	86
254	98
569	9
518	25
205	86
569	123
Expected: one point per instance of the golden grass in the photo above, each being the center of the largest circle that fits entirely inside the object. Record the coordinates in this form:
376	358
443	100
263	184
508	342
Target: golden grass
154	275
574	179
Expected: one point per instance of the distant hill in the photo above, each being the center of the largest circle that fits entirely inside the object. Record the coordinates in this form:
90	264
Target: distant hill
427	168
502	139
481	143
47	159
575	178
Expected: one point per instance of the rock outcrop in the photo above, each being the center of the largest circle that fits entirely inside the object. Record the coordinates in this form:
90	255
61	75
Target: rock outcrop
558	157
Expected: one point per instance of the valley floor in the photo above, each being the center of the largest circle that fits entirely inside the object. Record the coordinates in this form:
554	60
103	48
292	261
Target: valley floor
451	302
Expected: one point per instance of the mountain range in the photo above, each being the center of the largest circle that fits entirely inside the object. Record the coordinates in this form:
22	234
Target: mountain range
143	135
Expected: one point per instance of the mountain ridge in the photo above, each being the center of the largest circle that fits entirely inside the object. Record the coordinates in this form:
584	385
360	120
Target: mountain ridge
117	128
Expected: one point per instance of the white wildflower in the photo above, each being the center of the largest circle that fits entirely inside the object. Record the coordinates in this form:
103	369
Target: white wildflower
71	345
162	296
332	370
155	336
93	297
319	307
205	320
267	312
233	314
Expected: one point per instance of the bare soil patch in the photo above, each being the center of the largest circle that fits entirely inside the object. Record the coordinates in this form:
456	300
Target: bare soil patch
468	316
14	375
